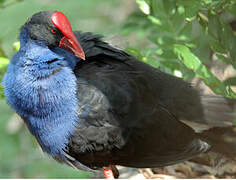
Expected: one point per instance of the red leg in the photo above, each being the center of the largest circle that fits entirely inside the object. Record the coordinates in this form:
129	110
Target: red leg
108	173
111	172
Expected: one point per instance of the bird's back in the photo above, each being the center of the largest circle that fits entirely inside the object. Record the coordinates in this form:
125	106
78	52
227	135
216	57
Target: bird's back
129	114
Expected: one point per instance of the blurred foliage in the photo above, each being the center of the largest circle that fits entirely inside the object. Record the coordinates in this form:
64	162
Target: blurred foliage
3	59
184	35
3	67
4	5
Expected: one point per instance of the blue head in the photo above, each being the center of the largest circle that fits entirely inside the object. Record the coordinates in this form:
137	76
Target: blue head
40	84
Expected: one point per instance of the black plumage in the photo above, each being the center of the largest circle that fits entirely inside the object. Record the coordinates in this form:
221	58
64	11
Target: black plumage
133	111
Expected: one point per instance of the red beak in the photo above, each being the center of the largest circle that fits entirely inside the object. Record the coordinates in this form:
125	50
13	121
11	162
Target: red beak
69	42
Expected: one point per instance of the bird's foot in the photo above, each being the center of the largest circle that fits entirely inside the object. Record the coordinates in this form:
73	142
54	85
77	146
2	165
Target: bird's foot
111	172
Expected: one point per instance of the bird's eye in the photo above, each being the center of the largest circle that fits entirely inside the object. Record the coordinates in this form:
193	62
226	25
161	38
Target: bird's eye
53	31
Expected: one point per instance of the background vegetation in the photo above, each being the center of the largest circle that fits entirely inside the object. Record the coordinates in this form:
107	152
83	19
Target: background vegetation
185	34
180	37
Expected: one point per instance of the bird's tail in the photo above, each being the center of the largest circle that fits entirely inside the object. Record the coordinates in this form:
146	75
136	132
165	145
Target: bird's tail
222	141
216	125
218	111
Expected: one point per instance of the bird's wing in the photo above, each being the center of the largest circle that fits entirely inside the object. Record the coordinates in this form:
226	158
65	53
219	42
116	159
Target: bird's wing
93	46
124	117
210	110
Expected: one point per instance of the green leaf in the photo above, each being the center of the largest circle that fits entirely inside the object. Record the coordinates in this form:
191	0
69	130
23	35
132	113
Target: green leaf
216	46
155	20
2	52
185	33
164	41
3	67
3	62
135	52
177	23
214	26
203	22
143	6
158	8
230	81
169	6
172	64
232	10
168	55
16	46
191	8
229	41
1	92
222	40
192	62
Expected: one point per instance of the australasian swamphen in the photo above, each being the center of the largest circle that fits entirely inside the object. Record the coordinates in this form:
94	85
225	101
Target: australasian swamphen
91	105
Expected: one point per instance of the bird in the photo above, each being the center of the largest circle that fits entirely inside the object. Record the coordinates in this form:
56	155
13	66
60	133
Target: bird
93	106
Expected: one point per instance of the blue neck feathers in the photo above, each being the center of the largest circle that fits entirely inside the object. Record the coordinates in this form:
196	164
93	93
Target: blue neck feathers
41	87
